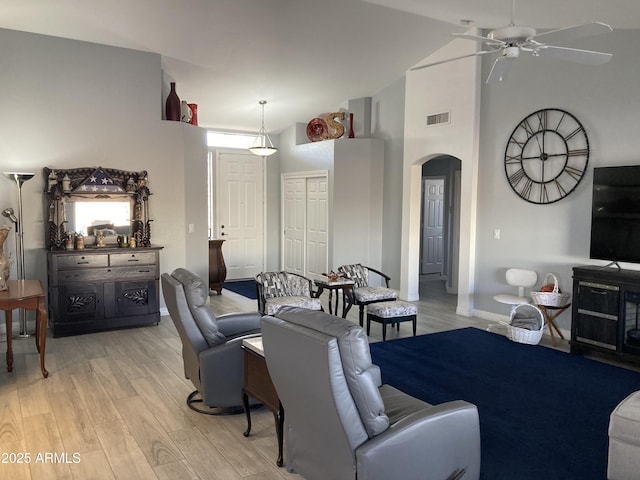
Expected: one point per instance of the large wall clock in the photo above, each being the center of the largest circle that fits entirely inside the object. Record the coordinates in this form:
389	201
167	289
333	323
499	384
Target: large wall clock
546	156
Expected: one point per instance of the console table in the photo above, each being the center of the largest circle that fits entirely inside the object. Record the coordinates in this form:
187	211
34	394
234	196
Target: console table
27	294
258	384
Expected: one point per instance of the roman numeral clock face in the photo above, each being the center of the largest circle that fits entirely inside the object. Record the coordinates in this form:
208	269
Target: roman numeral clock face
546	156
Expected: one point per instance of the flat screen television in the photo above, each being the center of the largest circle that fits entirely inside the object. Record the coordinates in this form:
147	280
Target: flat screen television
615	214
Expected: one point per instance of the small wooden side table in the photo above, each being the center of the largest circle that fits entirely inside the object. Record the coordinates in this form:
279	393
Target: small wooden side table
347	298
27	294
258	384
550	314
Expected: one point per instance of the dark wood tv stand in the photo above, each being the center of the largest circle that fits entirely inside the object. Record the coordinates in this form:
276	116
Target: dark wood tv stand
605	310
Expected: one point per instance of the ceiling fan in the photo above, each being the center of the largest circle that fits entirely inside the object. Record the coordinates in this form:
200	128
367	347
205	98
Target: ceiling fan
508	42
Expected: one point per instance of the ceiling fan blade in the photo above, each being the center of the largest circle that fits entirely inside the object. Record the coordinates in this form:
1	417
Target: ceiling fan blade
500	69
420	67
567	34
586	57
487	40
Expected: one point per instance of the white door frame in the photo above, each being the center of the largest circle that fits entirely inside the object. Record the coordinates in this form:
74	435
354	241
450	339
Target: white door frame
298	175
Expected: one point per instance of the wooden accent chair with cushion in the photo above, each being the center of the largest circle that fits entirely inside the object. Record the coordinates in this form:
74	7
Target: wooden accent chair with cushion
363	292
278	289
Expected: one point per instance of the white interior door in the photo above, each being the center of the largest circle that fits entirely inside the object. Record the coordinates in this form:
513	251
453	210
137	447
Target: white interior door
432	226
295	204
316	229
305	201
240	212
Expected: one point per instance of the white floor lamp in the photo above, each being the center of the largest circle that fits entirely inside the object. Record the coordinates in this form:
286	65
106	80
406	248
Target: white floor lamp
20	178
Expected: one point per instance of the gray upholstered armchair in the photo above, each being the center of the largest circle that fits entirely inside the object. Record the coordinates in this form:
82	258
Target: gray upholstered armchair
363	292
277	289
341	423
211	347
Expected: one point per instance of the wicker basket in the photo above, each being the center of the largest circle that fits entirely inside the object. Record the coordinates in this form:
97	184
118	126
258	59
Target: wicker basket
550	299
524	335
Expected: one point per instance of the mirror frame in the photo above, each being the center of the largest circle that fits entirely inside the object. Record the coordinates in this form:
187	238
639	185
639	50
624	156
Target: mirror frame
61	187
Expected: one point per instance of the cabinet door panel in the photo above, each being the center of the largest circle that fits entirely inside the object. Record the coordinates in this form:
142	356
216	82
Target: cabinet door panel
79	303
135	298
597	331
599	298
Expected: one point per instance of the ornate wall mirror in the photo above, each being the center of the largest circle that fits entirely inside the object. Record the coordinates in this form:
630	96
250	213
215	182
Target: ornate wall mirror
98	203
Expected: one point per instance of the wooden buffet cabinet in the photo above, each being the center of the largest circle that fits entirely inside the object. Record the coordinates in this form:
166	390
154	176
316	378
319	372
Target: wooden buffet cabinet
606	309
103	288
97	279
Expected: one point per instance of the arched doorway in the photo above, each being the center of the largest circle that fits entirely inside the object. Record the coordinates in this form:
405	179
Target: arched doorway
410	256
440	222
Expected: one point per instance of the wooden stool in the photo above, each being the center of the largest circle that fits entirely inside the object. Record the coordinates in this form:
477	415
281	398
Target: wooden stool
393	312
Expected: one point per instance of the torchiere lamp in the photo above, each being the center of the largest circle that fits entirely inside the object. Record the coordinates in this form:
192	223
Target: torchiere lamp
19	178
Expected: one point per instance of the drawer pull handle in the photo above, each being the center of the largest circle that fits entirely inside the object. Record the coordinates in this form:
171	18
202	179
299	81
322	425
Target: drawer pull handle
133	260
144	271
82	263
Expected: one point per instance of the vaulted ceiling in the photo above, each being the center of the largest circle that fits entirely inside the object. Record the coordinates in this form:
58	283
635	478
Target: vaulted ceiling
304	57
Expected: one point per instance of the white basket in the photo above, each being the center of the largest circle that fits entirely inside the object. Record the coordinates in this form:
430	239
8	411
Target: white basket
524	335
553	298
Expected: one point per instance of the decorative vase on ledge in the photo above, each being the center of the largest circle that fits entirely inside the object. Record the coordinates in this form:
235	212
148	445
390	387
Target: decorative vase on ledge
5	263
351	133
172	105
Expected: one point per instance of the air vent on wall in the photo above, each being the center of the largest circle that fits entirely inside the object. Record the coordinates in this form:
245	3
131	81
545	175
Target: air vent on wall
438	119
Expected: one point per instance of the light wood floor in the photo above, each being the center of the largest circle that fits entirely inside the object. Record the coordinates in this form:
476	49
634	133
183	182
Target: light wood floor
114	407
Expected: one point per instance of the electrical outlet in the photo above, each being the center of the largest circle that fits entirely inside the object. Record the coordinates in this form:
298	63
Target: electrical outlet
496	234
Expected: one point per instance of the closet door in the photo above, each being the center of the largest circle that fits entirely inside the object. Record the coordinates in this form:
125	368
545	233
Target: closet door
294	218
305	201
316	228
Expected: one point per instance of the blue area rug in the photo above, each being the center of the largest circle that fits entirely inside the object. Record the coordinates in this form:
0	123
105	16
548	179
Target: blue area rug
246	288
544	414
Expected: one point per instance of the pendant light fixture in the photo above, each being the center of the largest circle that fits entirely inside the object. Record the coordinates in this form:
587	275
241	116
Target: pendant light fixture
263	146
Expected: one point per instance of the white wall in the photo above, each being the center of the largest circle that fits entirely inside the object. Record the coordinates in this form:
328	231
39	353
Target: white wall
552	238
355	170
450	87
69	104
387	123
357	199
